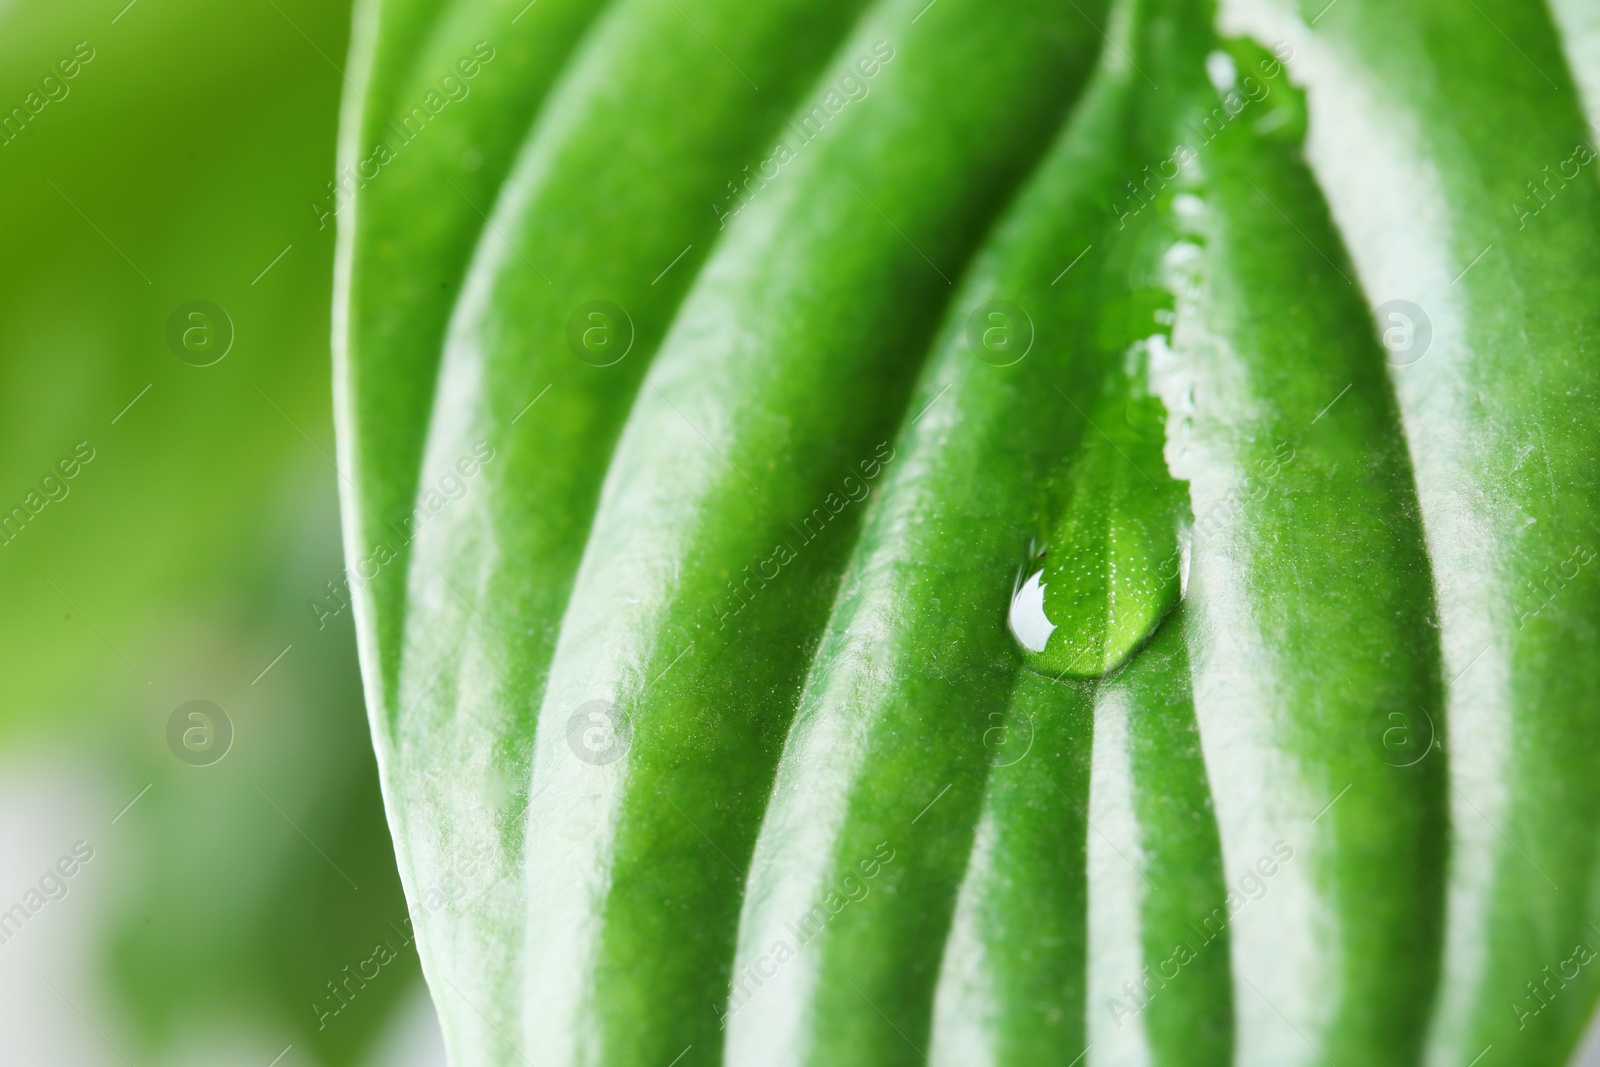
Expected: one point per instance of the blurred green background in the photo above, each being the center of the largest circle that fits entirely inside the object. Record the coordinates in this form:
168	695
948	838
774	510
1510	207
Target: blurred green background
179	163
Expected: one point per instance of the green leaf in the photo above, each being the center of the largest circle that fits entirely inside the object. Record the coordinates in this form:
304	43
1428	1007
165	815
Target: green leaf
1160	910
1429	165
1111	570
424	148
903	567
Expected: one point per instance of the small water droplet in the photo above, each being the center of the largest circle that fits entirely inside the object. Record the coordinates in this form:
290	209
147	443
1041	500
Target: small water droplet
1114	566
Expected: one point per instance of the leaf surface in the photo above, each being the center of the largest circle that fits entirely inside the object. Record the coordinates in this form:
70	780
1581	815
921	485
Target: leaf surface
1435	169
908	565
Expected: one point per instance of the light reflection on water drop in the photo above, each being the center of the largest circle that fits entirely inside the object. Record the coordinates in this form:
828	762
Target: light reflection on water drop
1027	619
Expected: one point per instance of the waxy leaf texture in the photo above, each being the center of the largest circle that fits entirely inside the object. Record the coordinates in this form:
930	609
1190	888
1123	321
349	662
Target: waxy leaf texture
888	532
